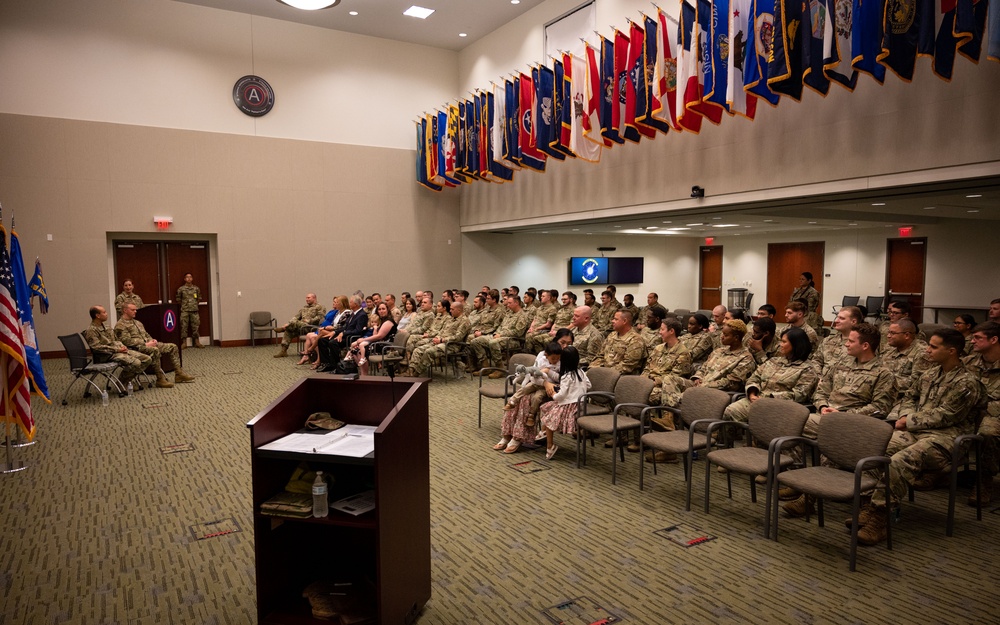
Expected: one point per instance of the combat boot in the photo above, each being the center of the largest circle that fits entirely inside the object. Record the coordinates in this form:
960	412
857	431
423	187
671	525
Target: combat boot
162	381
180	376
875	530
198	344
283	352
985	493
803	506
864	514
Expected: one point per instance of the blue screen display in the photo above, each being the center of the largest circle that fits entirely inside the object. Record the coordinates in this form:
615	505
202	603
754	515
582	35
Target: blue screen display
588	270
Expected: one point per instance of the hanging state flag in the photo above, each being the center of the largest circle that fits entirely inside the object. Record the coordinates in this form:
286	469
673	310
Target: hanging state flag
975	27
706	73
23	293
37	287
461	150
689	96
866	38
545	119
579	144
818	42
907	25
961	27
637	84
789	52
993	36
657	117
500	127
422	165
838	62
621	112
15	404
720	44
531	156
562	109
512	125
760	25
664	96
610	112
446	152
739	101
498	172
594	98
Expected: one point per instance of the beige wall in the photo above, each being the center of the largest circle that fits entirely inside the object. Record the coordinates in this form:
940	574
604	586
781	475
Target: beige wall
288	216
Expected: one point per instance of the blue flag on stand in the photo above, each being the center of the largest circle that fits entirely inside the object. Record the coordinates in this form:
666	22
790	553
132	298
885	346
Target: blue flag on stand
37	288
23	295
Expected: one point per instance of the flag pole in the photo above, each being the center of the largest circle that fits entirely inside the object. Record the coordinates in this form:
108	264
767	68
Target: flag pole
11	466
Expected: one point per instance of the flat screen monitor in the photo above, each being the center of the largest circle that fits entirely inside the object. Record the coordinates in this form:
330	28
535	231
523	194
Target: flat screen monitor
625	270
588	270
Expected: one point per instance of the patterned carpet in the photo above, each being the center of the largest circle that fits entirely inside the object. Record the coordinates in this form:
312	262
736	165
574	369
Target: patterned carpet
98	530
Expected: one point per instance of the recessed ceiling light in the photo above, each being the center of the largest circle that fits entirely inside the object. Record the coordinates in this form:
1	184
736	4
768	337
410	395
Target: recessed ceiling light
852	224
352	12
878	203
421	12
617	226
651	227
668	222
310	5
697	224
767	221
515	1
975	195
462	35
716	217
813	223
576	229
929	208
678	229
973	211
545	231
726	226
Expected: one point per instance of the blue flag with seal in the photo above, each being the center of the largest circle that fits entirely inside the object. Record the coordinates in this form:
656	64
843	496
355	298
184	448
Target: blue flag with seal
23	296
545	120
37	287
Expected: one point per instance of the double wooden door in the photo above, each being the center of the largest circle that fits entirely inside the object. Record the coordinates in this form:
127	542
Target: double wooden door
157	268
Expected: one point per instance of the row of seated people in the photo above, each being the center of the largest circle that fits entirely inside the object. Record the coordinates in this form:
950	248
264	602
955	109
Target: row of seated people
932	392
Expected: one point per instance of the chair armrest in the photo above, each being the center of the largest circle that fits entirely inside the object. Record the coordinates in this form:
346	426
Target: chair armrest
720	424
582	402
866	463
644	415
776	445
619	407
702	423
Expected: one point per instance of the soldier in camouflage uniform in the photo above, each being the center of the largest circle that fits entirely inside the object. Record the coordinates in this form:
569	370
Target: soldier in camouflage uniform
127	296
670	357
942	405
591	302
420	325
897	311
309	315
589	342
486	326
984	363
133	335
564	315
544	316
860	385
831	350
905	357
452	331
698	340
604	316
652	299
188	296
629	305
762	341
624	350
790	375
795	315
650	334
512	327
102	341
727	368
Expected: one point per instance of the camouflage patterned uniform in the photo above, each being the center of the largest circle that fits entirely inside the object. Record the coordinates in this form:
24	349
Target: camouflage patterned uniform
134	336
814	339
124	298
725	369
624	354
938	407
426	355
543	316
906	368
989	375
811	295
102	341
604	315
188	296
650	337
863	388
765	354
563	319
487	324
665	361
780	379
513	327
589	341
700	346
832	352
635	312
308	315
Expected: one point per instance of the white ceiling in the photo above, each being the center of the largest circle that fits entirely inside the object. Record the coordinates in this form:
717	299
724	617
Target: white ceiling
385	19
914	205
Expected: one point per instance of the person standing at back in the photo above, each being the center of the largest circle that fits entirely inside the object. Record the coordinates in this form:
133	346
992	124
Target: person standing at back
188	296
806	290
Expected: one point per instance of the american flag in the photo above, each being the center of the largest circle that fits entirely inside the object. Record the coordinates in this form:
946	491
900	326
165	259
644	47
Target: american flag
15	401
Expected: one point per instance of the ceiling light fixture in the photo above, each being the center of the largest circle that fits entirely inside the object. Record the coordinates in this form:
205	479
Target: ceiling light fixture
651	227
668	222
515	1
352	13
878	203
463	35
726	226
697	224
767	221
975	195
420	12
310	5
973	211
929	208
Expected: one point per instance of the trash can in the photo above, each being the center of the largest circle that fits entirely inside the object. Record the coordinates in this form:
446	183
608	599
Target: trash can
737	298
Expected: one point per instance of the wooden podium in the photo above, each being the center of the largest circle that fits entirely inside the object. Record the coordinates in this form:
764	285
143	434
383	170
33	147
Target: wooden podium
162	321
389	546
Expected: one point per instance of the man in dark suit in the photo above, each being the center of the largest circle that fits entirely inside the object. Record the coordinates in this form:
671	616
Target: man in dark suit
330	348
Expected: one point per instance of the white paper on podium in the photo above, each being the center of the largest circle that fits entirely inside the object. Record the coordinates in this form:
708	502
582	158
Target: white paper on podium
354	441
